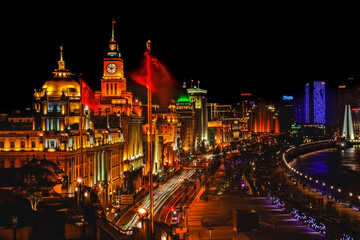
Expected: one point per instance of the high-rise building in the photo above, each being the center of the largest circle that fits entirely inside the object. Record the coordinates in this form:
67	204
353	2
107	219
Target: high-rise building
118	109
199	98
186	119
349	95
263	118
319	101
286	112
315	104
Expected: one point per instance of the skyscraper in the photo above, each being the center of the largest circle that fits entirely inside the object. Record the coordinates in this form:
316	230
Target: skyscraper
198	97
319	100
315	103
185	114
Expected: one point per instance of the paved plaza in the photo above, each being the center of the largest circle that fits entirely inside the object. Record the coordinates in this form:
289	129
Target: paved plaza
274	223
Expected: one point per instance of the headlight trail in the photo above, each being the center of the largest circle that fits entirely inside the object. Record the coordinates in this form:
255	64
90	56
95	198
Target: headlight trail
161	195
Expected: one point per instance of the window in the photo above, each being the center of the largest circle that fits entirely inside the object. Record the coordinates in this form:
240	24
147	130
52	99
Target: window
33	144
53	124
22	144
52	144
12	144
50	107
1	144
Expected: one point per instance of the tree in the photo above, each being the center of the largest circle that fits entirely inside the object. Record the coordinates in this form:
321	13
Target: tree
34	179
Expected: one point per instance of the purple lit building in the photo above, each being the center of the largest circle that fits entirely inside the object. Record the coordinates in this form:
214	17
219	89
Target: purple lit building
313	108
319	102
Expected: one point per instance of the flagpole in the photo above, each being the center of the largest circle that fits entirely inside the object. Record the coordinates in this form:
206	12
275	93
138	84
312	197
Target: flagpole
80	129
150	157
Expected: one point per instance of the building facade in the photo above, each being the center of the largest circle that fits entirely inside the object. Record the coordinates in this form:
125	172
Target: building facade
199	98
101	147
186	119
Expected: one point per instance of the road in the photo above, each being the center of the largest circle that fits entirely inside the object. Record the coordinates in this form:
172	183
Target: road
161	195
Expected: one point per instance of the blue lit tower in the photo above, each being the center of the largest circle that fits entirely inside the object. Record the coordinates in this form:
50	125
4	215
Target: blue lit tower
319	101
315	103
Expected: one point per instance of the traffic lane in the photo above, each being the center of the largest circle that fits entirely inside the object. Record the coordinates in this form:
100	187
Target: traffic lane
161	195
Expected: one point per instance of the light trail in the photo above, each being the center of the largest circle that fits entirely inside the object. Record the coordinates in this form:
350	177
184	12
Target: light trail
161	195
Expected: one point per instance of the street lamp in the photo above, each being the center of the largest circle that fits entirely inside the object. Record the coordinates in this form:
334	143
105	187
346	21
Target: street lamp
142	214
79	180
142	211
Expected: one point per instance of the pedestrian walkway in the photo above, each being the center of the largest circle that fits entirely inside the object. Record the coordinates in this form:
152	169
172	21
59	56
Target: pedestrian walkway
319	203
274	223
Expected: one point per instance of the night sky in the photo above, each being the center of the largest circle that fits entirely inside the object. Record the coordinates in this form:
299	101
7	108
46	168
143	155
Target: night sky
267	50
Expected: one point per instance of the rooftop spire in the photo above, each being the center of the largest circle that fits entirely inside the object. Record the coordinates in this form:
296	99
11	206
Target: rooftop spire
113	30
61	53
113	46
148	47
61	62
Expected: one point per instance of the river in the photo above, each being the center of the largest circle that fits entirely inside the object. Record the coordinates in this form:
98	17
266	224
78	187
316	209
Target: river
335	167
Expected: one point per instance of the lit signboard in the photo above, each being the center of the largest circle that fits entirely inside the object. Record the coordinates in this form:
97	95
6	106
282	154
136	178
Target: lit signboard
287	98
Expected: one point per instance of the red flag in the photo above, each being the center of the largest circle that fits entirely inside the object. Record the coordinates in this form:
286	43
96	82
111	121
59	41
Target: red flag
88	96
160	80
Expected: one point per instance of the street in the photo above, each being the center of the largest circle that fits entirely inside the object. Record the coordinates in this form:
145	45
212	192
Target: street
161	195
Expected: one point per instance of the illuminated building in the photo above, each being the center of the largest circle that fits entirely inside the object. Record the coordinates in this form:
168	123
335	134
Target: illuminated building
307	105
315	103
120	111
286	113
349	95
166	137
224	127
219	111
185	115
319	102
52	132
97	162
107	152
198	97
263	118
348	130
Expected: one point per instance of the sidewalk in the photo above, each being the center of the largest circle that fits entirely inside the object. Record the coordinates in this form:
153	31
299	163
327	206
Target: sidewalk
319	203
220	207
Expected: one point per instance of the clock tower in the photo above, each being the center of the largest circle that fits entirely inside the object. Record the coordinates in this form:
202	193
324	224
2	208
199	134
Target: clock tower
113	81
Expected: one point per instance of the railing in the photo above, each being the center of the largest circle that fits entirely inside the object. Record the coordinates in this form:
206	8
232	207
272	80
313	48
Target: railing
115	227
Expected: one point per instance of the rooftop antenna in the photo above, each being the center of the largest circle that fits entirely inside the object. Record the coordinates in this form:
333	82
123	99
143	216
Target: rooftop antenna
113	30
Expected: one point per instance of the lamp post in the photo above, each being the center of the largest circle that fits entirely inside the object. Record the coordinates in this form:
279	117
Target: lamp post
142	214
79	196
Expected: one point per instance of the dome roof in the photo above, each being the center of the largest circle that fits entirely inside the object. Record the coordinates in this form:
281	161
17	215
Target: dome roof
56	87
61	82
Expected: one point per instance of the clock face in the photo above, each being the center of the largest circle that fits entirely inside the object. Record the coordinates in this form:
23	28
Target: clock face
111	68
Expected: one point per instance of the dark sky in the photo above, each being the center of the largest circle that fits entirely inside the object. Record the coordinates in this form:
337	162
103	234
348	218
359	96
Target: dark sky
267	50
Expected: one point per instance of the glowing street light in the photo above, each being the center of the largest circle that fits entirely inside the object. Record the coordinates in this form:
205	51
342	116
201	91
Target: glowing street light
142	212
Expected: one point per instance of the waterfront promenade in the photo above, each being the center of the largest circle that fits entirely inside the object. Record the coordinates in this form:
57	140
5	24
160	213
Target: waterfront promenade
275	224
